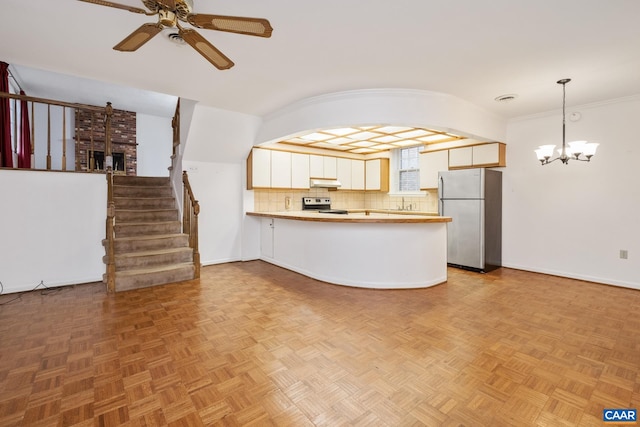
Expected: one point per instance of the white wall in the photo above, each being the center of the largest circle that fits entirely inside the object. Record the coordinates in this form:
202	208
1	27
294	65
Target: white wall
51	228
215	186
154	136
215	154
397	107
572	220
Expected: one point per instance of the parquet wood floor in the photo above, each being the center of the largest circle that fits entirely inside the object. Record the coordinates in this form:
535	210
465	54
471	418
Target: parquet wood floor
253	344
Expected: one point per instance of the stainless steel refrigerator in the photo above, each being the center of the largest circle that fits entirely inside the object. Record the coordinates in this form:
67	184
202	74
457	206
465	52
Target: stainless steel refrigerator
473	199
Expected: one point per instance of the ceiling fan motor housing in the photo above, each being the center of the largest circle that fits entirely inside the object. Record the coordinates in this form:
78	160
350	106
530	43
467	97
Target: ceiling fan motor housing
182	7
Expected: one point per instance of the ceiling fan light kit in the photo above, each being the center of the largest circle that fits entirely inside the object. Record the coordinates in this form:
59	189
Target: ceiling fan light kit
171	12
572	151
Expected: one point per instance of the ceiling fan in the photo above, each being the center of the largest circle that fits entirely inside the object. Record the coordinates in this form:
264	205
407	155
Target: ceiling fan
170	12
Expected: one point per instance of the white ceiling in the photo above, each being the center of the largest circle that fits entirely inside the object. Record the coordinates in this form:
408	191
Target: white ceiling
473	49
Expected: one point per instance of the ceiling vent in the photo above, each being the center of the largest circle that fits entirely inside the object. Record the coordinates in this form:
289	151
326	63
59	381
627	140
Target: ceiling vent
506	98
176	38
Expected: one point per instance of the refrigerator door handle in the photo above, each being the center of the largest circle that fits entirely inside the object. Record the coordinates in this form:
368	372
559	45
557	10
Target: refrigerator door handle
440	196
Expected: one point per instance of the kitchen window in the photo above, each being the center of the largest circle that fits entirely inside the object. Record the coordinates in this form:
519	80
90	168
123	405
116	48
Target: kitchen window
405	174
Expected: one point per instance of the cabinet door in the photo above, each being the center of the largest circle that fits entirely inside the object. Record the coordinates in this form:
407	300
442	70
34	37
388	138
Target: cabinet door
489	155
299	170
266	237
430	164
344	173
330	166
377	174
280	169
460	157
261	168
316	166
357	174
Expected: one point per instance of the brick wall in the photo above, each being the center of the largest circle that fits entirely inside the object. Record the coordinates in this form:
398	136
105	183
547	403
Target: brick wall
123	141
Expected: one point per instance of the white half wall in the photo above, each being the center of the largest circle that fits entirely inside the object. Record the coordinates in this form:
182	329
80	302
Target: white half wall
51	229
154	135
573	220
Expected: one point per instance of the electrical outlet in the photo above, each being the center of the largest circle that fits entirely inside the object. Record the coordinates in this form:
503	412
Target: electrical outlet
624	254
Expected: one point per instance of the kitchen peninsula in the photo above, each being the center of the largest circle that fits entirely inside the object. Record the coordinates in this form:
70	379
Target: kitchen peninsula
365	249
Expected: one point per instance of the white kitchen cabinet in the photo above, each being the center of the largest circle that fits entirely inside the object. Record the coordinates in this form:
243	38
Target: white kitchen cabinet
330	166
432	162
267	226
344	173
460	157
316	166
259	169
377	174
323	166
280	169
299	171
357	174
489	155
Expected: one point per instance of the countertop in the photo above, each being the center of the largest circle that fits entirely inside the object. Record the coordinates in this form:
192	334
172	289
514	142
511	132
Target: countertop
358	216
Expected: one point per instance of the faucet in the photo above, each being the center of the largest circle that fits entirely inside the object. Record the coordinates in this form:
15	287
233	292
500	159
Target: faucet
403	207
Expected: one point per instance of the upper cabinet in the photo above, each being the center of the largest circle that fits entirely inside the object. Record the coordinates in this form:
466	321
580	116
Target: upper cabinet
344	173
377	174
277	169
475	156
490	155
300	170
280	169
357	174
322	167
350	173
259	169
461	157
432	162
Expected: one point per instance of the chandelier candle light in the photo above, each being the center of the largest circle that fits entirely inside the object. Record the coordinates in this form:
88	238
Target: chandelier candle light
574	151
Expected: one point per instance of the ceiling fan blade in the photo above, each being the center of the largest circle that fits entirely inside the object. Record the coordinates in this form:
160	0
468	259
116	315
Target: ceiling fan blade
117	6
169	4
206	49
139	37
232	24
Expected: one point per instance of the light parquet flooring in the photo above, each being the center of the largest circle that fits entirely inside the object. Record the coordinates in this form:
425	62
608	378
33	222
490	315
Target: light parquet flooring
254	344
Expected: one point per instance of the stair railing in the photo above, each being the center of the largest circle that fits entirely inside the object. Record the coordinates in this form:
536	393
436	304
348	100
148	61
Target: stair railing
43	142
111	206
190	211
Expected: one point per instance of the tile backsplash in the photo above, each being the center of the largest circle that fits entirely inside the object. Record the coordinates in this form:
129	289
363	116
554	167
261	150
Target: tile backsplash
276	200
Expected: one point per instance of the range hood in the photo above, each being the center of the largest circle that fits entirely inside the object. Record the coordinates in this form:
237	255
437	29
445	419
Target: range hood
324	183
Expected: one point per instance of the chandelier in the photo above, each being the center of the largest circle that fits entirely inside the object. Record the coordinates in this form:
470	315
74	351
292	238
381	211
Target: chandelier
574	150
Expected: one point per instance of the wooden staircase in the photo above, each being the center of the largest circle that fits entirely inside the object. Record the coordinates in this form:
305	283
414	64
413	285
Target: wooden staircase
149	245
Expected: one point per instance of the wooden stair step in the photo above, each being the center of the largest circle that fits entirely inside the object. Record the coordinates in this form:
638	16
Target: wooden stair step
141	180
128	229
146	215
146	277
144	259
144	203
142	191
156	241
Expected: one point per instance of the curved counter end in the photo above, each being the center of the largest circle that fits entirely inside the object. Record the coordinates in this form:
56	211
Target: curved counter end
374	253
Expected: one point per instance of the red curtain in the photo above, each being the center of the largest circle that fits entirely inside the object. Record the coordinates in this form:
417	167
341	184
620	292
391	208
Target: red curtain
6	154
24	146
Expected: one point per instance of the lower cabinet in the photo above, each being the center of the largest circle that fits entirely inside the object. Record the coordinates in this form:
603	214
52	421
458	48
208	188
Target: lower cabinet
267	226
